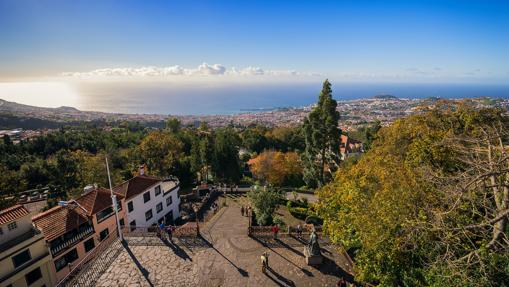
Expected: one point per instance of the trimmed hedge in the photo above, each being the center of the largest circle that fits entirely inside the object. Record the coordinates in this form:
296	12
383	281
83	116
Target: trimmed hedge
298	212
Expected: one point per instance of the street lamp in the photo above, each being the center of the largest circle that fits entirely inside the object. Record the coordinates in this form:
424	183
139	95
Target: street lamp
114	201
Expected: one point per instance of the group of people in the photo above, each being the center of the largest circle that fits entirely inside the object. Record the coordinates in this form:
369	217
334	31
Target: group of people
166	229
245	210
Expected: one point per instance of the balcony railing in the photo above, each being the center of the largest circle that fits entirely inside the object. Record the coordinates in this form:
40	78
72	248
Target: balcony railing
19	239
72	241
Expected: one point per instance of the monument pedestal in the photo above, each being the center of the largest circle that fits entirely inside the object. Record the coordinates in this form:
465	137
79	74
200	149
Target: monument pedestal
312	259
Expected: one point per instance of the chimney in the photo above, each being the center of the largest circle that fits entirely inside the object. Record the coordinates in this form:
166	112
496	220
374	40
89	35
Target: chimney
88	189
142	169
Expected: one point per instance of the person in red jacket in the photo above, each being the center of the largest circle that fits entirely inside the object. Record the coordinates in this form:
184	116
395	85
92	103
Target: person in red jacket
275	230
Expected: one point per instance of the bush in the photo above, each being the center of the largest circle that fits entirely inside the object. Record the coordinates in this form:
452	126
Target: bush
264	204
279	221
313	219
298	212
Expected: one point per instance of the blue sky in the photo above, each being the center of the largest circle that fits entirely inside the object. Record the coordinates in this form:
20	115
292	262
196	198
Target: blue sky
418	41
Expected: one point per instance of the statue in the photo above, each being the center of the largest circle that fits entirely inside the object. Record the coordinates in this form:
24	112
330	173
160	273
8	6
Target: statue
313	246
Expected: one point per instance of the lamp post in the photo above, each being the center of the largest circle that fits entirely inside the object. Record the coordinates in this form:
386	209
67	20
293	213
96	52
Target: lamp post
114	202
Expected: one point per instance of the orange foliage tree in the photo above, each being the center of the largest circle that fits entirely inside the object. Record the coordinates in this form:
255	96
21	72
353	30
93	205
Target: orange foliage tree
275	167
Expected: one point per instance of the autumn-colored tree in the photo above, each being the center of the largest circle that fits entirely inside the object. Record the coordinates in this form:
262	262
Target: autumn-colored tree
425	206
275	167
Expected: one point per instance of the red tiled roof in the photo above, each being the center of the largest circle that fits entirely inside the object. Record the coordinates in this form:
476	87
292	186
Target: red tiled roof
96	200
135	185
12	213
59	220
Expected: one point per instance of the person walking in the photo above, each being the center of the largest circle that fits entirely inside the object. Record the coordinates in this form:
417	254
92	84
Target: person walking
162	227
265	261
169	231
242	210
299	231
275	230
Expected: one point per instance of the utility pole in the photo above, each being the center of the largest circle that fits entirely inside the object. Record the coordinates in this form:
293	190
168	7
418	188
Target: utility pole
114	202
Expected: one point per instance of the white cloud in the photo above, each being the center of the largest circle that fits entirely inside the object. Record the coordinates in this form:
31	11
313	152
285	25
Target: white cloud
215	70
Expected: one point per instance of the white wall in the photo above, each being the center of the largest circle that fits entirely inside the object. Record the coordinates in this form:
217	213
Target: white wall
140	207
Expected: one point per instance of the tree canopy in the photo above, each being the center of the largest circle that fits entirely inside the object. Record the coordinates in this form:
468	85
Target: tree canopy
424	206
322	138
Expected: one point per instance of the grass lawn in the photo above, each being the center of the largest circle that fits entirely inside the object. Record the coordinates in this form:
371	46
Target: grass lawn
287	217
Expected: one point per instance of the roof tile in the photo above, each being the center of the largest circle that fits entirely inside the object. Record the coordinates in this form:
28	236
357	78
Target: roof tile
12	213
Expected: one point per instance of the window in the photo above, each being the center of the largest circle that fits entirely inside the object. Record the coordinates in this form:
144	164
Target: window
12	225
89	244
33	276
103	234
148	215
103	214
133	225
130	206
119	205
158	190
121	221
146	196
21	258
159	207
68	258
169	200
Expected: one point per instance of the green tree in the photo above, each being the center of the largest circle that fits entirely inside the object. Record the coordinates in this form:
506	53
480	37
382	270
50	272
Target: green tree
322	137
226	162
173	125
161	151
264	202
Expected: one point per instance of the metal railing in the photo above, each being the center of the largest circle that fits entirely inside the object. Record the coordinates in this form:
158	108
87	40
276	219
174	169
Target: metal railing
86	273
71	241
266	231
190	229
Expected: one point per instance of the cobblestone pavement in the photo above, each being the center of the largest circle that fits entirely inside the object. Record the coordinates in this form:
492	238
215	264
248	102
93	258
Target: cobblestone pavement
225	256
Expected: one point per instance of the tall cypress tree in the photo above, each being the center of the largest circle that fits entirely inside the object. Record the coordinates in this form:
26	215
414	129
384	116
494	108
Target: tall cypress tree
322	137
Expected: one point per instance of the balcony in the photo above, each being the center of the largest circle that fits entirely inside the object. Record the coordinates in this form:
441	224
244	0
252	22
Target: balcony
70	239
19	239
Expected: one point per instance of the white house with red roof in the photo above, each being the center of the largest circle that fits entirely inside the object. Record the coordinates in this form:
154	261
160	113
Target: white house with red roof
150	200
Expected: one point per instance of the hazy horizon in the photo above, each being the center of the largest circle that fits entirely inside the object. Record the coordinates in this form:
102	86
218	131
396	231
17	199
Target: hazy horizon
161	98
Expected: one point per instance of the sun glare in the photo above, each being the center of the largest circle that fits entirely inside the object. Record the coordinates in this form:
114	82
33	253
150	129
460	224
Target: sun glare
43	94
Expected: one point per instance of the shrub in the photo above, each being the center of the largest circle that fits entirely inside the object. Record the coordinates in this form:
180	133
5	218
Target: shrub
313	219
298	212
279	221
264	204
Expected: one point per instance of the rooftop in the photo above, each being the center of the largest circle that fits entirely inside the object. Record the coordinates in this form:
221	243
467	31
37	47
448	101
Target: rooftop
135	185
12	213
59	220
96	200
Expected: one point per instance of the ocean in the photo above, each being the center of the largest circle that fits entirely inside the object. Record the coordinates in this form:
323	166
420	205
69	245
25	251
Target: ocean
201	99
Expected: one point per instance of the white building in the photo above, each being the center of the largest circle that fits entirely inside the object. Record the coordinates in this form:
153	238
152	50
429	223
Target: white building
150	200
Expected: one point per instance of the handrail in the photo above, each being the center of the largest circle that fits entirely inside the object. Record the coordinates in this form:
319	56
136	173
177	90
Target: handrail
70	242
93	254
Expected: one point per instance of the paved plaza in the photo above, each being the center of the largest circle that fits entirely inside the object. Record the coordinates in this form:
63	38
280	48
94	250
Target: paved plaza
225	256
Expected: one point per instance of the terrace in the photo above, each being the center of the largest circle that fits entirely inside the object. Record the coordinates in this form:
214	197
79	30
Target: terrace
71	238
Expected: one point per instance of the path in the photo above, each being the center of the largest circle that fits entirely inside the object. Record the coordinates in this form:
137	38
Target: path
225	256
